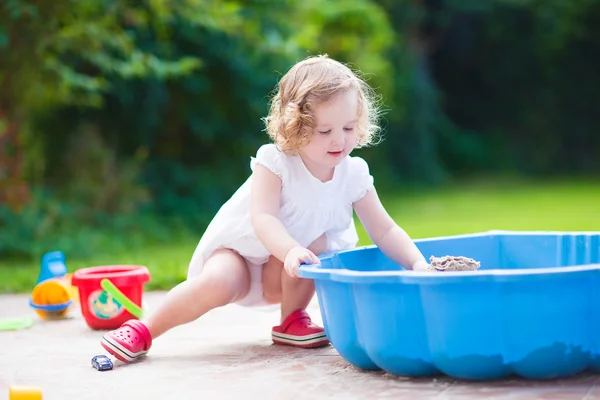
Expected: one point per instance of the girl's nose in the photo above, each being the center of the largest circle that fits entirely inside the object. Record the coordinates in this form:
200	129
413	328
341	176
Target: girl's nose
338	138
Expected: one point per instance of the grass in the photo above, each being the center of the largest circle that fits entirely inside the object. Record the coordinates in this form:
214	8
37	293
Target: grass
510	205
463	208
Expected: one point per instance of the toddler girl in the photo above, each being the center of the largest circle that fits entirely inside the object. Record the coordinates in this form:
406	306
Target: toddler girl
297	203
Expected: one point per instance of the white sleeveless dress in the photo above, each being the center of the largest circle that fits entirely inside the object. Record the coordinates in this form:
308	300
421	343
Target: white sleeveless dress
309	208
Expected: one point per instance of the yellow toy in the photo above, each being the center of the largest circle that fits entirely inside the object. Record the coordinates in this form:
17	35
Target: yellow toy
53	298
53	294
24	393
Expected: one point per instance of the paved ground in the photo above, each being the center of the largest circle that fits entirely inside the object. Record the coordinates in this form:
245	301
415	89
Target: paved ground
225	355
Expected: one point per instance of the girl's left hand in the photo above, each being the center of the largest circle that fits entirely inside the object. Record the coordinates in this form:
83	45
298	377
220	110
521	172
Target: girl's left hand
420	266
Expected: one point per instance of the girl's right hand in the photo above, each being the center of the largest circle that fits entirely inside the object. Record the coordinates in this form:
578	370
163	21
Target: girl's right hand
296	256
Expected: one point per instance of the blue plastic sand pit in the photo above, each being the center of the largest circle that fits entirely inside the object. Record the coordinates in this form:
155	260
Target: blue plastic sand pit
533	309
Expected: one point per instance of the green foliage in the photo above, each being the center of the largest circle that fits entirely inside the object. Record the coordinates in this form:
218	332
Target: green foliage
135	119
149	108
500	85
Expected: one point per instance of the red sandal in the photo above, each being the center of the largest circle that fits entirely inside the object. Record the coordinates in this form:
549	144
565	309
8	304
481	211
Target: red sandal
298	330
128	343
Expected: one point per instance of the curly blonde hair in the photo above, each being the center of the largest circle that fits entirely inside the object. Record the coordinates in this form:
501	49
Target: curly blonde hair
313	81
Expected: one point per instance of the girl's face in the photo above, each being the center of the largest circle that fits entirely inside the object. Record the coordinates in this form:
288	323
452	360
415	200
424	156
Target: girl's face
334	136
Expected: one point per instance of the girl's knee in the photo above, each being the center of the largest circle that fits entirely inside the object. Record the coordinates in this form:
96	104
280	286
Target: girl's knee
227	273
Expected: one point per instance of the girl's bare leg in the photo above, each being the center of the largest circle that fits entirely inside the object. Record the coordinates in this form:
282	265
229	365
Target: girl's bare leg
298	292
271	280
224	279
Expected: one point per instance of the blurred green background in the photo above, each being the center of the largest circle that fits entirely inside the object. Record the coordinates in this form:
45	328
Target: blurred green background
124	125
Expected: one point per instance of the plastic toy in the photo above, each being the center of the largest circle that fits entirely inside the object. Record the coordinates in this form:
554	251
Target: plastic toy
129	305
24	393
53	266
530	309
16	323
100	309
53	295
102	363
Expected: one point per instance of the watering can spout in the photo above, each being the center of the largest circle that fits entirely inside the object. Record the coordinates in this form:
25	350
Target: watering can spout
53	266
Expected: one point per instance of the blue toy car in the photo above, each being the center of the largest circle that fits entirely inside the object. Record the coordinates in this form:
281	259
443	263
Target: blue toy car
102	363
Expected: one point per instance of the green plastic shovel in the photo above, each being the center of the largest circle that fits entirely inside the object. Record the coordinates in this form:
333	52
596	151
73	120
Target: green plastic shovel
13	324
129	305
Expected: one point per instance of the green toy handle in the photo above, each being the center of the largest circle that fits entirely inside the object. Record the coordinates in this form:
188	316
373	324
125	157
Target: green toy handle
129	305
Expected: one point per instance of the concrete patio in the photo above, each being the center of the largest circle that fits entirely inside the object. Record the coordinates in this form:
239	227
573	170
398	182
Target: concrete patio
225	355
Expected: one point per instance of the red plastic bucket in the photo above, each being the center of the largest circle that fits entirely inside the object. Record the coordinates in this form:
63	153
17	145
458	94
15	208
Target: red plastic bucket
98	307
